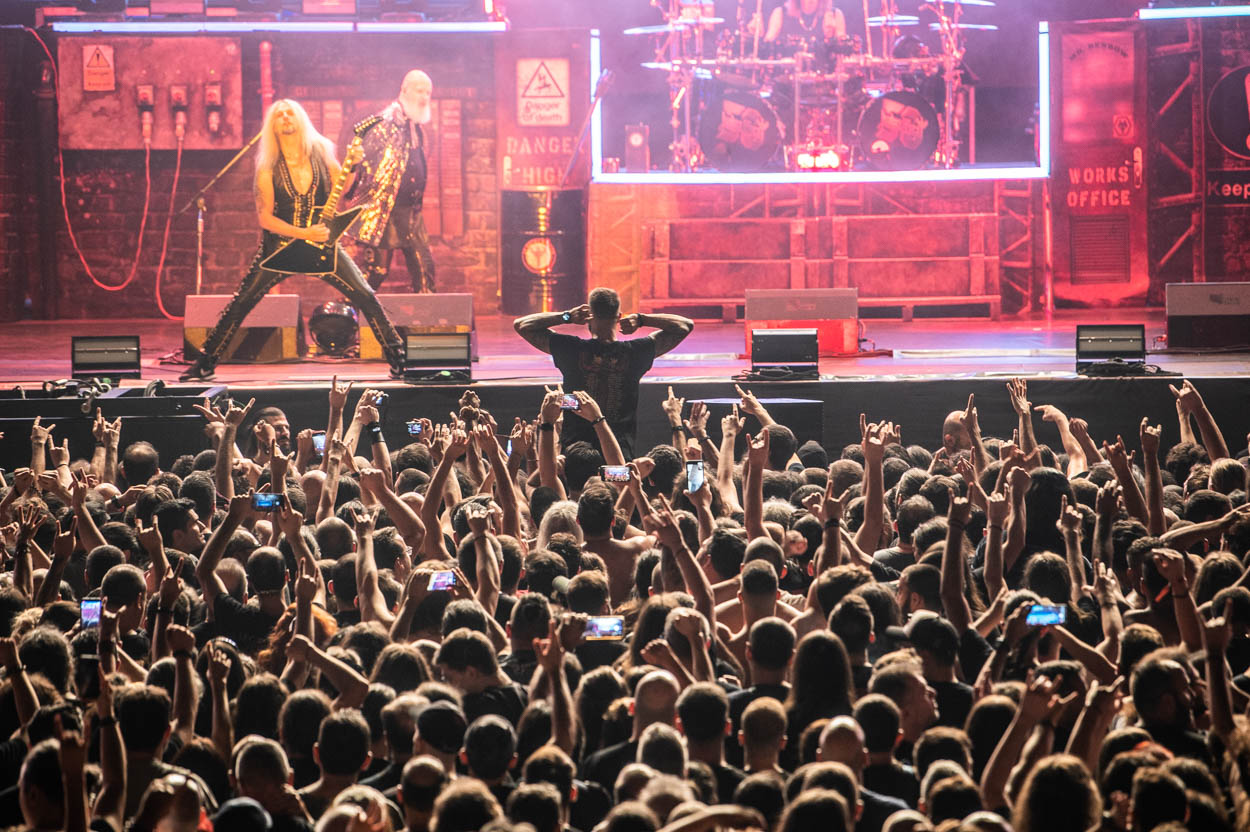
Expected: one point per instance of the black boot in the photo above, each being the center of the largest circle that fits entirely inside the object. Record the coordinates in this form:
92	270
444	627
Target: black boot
201	370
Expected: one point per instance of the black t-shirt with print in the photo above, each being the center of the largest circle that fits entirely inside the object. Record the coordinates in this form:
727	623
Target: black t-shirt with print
609	371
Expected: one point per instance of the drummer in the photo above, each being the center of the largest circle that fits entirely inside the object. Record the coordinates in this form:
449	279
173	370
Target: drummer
806	19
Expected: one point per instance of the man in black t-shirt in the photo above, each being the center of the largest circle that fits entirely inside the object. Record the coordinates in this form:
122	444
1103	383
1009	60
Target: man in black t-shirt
606	368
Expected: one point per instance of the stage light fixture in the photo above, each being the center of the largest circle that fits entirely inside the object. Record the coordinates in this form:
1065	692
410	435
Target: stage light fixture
1111	349
334	327
445	357
785	353
107	357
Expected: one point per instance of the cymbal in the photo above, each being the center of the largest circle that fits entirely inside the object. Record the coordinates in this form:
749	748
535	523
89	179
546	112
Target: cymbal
659	28
978	27
669	66
895	20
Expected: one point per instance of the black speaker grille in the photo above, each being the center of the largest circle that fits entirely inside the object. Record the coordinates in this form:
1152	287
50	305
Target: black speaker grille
1100	249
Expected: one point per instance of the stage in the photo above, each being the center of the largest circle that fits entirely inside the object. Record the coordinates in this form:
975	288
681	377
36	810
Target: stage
933	366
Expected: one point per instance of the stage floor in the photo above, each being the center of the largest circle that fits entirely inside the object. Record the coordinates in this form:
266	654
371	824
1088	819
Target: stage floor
37	351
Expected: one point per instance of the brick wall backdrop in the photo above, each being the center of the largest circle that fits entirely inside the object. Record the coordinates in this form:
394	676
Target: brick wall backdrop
356	74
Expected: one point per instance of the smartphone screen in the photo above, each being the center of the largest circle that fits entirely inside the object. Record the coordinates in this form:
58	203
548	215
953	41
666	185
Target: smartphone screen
614	473
442	580
605	628
569	402
89	612
319	441
1046	615
694	475
264	501
414	427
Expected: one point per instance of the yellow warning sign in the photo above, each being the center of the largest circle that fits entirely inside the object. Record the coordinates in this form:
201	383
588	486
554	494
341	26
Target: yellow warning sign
99	73
542	92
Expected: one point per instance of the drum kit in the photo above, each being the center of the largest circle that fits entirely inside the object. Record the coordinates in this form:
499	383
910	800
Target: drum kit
792	90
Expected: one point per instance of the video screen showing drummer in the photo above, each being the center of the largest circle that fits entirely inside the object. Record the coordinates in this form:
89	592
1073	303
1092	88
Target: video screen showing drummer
814	27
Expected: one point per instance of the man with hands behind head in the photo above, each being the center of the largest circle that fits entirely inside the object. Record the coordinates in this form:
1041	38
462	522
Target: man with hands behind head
605	367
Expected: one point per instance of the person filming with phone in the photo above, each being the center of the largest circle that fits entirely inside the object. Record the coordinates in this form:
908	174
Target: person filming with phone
606	367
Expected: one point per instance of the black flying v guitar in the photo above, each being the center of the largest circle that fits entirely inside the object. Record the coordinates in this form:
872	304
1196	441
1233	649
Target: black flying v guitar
306	256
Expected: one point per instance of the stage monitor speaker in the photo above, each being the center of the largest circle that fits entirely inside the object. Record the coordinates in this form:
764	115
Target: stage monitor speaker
637	148
1110	344
1208	315
785	351
110	357
833	312
345	7
163	7
413	314
272	331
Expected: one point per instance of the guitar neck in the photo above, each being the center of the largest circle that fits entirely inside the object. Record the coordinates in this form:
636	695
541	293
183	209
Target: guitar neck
332	202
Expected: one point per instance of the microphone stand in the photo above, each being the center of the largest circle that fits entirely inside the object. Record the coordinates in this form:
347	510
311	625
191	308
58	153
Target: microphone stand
198	201
601	86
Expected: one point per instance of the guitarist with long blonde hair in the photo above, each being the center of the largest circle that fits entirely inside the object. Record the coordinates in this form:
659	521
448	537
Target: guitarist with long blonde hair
296	175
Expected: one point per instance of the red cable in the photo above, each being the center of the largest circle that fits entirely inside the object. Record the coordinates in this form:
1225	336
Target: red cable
160	266
60	159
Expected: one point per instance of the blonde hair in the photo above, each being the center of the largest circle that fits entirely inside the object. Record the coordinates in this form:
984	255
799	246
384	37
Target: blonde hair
268	151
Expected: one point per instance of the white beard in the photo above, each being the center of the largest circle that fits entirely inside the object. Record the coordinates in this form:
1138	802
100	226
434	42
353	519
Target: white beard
421	115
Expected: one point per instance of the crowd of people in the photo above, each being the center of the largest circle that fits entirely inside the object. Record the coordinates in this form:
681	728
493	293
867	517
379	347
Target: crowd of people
497	627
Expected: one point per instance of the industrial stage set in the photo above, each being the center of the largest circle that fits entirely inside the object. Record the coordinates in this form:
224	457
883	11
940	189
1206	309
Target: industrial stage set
875	205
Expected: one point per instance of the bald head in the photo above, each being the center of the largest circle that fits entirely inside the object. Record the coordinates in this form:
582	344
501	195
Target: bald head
842	741
415	94
655	700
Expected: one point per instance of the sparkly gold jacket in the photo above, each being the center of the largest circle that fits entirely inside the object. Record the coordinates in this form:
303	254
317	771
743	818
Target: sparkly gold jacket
379	174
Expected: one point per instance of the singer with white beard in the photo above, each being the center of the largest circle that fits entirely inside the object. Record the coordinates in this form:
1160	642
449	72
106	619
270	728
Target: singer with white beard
391	182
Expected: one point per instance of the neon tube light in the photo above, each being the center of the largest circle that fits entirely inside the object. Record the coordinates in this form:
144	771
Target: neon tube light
1181	13
1023	171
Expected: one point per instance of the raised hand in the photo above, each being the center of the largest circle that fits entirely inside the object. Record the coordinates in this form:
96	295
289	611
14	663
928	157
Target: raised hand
478	518
219	663
826	507
629	324
960	511
1050	413
750	404
588	408
171	586
697	423
997	507
1018	391
1171	565
672	407
40	434
59	454
661	523
265	436
1188	399
1107	503
1117	454
690	624
457	444
757	450
1149	438
550	650
732	422
1216	634
29	520
235	415
338	393
550	410
364	522
968	418
1040	697
1069	518
179	638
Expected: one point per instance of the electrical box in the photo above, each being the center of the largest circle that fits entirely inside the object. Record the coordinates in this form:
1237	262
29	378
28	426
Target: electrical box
106	81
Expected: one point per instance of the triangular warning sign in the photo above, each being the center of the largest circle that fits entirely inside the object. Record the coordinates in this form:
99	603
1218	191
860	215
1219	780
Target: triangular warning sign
97	60
542	84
